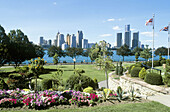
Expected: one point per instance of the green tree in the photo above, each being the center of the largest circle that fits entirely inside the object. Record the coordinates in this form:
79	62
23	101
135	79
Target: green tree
137	56
124	51
86	53
74	52
146	53
136	50
94	52
39	51
53	49
162	51
55	59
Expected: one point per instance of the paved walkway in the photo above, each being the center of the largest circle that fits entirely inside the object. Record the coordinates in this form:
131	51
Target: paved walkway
164	99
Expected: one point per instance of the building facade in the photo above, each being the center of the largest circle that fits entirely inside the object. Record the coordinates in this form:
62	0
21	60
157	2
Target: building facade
84	43
68	39
127	39
119	40
79	39
60	40
73	41
135	40
41	41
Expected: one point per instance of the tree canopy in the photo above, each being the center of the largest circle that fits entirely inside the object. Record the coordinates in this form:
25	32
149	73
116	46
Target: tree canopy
146	53
124	51
162	51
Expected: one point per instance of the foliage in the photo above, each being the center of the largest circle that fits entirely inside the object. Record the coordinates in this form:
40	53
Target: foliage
96	83
88	90
57	78
120	69
56	59
142	73
38	86
120	93
74	79
146	53
161	50
79	71
117	69
153	78
55	50
74	52
46	84
136	56
3	85
77	87
135	72
23	69
124	51
137	50
135	65
163	61
166	78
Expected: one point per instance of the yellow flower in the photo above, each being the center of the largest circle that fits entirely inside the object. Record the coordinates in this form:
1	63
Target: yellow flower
38	57
42	59
26	89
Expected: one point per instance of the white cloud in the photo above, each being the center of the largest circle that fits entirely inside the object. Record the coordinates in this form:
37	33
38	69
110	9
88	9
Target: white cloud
54	3
116	28
149	34
106	35
111	19
121	19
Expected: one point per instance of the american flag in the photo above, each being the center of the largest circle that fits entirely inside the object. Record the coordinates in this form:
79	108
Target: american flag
149	22
165	28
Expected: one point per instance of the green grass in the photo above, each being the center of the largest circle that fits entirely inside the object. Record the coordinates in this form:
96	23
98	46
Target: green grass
133	107
90	70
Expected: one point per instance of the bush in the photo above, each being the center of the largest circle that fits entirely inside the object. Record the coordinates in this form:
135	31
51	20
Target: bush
168	62
46	84
153	78
88	90
15	76
74	79
107	90
166	79
136	65
23	69
39	84
142	73
64	61
135	72
61	88
155	63
163	62
77	87
3	85
96	83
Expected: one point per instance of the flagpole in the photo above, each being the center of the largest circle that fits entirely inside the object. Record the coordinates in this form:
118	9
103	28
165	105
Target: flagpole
168	38
153	41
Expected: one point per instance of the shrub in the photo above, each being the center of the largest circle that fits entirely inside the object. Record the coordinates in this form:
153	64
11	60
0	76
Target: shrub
61	88
166	79
106	90
46	84
77	87
23	69
96	83
142	73
16	76
88	90
168	62
163	61
153	78
3	85
74	79
136	65
64	61
39	84
135	72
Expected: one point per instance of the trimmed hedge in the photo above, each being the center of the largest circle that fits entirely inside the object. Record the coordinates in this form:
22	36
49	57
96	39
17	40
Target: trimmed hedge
136	65
46	84
135	72
88	90
153	78
142	73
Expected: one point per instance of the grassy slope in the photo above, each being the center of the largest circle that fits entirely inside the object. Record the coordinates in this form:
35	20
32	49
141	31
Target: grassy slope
136	107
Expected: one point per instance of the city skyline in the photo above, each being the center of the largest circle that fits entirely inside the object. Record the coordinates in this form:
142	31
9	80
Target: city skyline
99	20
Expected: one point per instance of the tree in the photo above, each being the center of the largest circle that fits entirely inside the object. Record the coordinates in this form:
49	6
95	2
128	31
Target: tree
137	56
55	59
39	51
74	52
124	51
106	61
53	49
4	46
86	53
161	50
146	53
137	50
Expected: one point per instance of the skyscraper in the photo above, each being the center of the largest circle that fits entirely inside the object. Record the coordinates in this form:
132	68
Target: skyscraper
41	41
60	40
57	38
79	39
49	42
73	41
119	39
68	39
135	40
127	39
84	43
64	46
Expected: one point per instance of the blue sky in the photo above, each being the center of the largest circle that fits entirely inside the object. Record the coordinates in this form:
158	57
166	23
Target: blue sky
98	19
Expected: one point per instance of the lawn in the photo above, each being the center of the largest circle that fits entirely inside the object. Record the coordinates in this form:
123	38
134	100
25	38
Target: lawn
90	70
132	107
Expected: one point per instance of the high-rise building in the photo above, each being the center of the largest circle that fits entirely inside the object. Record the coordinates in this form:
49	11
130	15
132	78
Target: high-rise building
60	40
135	40
73	41
49	42
64	46
57	36
68	39
127	39
41	41
79	39
84	43
119	39
55	42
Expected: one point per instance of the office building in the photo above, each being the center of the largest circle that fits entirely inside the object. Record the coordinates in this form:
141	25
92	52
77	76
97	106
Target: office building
127	39
84	43
73	41
60	40
64	46
68	39
57	36
135	40
49	42
79	39
55	42
119	40
41	41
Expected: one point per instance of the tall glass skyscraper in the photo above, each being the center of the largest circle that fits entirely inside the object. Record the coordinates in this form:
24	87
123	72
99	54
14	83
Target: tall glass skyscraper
84	43
60	40
119	39
79	39
127	39
135	40
73	41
